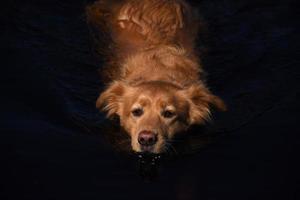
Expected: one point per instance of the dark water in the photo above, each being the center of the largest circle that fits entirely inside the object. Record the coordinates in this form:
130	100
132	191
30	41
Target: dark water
54	145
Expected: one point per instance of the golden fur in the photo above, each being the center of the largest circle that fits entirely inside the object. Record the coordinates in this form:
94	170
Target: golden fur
152	67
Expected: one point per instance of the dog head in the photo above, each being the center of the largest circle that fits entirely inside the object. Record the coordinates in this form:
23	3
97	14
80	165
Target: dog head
153	112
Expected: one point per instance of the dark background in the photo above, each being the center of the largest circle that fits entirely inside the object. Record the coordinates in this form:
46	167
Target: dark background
49	84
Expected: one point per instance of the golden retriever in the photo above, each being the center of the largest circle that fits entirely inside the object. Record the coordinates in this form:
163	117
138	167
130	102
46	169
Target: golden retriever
154	76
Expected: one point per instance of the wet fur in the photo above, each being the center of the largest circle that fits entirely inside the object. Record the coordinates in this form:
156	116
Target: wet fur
150	57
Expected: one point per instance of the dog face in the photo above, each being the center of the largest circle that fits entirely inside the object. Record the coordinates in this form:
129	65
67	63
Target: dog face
152	113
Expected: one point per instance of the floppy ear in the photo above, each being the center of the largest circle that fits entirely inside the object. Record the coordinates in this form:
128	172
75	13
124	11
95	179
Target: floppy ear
111	99
201	100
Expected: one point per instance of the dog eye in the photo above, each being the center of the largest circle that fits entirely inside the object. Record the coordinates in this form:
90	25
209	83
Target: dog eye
168	114
137	112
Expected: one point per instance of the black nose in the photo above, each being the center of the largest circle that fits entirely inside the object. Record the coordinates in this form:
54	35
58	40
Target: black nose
147	138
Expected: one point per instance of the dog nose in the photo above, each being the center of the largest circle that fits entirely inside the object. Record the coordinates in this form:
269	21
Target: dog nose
147	138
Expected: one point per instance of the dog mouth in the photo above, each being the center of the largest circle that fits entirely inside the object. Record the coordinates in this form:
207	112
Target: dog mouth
147	148
157	148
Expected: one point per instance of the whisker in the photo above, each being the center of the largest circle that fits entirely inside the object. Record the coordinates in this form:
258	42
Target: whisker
170	149
174	149
122	142
166	149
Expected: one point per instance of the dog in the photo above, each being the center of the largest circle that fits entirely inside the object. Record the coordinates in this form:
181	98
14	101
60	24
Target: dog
154	77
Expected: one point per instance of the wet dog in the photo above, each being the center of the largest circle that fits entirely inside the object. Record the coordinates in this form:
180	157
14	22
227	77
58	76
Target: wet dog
153	75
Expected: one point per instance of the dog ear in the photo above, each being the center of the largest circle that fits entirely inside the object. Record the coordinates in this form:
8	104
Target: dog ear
111	99
201	100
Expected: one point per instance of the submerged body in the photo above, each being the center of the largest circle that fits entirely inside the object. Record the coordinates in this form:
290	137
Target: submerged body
153	73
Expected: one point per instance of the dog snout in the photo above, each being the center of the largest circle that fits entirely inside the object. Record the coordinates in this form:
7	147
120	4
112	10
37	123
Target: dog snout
147	138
